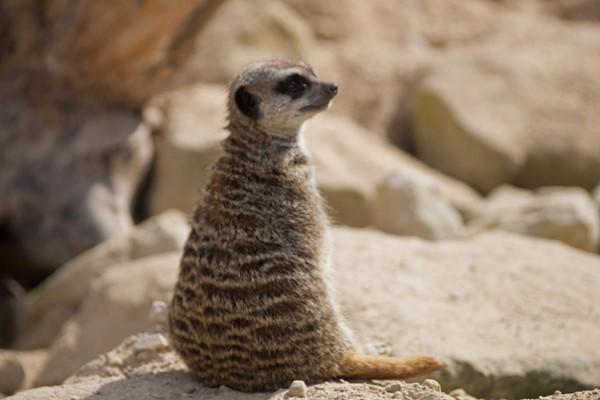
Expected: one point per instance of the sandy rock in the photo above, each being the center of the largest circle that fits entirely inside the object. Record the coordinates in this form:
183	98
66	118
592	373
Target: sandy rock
244	32
68	181
122	295
565	214
509	314
190	125
66	289
297	389
159	313
348	176
404	207
71	43
539	130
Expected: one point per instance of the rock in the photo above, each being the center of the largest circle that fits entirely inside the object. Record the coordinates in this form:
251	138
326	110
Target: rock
242	33
596	195
190	125
531	298
297	389
432	384
66	289
159	313
19	369
122	295
393	387
565	214
539	129
405	207
154	40
150	343
584	10
68	182
348	176
397	39
13	375
74	150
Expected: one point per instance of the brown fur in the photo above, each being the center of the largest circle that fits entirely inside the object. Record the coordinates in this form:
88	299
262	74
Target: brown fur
251	308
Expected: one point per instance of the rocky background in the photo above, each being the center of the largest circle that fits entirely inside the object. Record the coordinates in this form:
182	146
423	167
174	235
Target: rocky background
460	163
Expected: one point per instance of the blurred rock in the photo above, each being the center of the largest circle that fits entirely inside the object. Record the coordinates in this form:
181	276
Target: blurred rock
68	182
65	41
583	10
376	51
404	207
244	32
350	163
18	369
122	295
528	119
512	316
67	288
190	125
12	373
565	214
74	150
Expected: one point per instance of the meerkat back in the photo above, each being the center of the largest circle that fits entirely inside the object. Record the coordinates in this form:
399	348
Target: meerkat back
251	308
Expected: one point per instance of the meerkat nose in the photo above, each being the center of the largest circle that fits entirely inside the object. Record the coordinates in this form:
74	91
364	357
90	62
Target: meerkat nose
333	88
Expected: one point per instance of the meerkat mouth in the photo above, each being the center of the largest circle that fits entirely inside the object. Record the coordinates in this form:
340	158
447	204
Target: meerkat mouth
316	107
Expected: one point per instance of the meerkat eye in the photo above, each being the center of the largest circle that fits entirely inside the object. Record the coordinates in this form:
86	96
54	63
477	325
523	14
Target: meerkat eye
294	85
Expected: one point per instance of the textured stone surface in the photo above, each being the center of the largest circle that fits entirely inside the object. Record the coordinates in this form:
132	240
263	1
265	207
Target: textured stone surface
404	207
528	119
190	125
66	289
565	214
512	316
122	295
67	184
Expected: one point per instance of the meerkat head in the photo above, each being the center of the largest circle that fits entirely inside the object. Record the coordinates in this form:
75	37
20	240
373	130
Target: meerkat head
277	96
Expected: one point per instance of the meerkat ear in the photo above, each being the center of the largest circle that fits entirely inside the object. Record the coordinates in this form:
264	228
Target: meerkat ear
247	103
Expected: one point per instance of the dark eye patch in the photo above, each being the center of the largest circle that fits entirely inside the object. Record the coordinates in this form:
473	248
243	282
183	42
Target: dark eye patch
294	86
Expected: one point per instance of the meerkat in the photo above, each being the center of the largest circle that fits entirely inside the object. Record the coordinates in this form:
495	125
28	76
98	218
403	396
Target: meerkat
252	308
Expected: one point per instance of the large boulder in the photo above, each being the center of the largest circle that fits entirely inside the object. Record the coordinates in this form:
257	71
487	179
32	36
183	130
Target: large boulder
566	214
67	43
49	305
404	207
376	51
244	32
68	182
115	307
351	163
511	315
74	148
529	119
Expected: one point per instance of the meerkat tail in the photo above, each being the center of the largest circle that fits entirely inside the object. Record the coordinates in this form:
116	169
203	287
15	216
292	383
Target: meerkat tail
381	367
